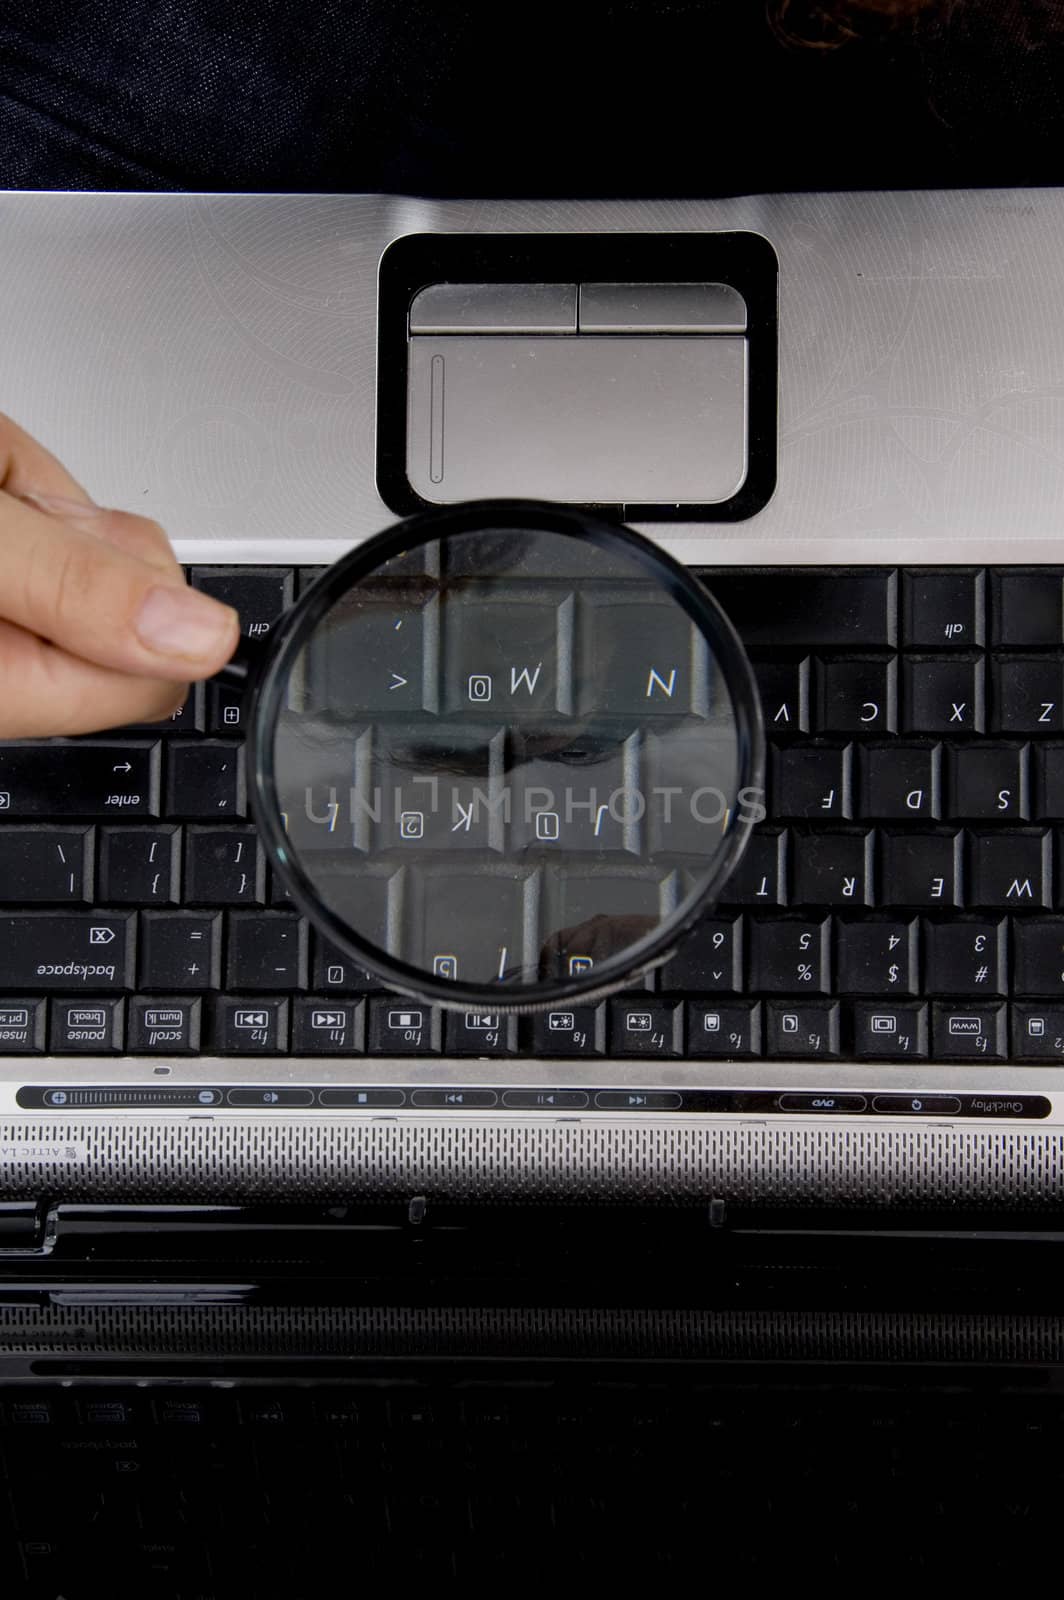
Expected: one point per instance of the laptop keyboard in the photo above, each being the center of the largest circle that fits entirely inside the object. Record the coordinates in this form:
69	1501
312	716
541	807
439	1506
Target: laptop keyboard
898	903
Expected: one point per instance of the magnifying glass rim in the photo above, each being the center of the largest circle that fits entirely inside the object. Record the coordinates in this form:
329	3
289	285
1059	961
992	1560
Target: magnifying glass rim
427	527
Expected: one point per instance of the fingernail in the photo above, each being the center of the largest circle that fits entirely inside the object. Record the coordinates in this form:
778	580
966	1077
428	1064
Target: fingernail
174	620
62	505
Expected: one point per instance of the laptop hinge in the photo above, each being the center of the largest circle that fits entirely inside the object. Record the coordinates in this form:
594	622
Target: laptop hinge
27	1228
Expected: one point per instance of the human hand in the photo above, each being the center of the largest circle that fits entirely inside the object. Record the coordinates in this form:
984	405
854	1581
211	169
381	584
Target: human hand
97	625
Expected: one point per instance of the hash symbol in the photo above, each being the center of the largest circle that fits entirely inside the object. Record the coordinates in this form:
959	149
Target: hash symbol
982	974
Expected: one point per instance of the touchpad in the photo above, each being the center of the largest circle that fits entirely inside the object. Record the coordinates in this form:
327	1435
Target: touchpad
634	392
648	394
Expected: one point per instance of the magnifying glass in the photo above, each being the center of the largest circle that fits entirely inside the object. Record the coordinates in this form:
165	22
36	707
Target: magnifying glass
504	755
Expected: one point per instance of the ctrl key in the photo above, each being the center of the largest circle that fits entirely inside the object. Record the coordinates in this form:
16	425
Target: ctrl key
22	1026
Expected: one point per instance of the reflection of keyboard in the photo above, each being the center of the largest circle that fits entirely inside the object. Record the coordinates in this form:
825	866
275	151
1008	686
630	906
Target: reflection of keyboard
898	904
207	1494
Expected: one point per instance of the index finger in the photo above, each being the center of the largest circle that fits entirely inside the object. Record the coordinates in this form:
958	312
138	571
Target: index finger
26	467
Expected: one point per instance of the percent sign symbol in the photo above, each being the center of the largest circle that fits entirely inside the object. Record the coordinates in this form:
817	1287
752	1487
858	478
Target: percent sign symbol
805	972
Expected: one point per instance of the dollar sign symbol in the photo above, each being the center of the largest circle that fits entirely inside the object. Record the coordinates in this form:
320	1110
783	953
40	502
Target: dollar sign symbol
892	974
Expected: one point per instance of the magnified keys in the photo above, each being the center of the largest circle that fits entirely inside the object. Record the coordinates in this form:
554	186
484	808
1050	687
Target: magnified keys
505	754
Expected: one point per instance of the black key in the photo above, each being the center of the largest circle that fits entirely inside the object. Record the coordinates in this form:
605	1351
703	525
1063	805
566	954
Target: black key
223	867
709	960
760	879
803	1031
791	956
169	1024
333	971
1038	956
574	1031
180	950
1047	782
966	957
205	780
646	1027
278	893
436	790
259	594
187	719
502	657
306	576
478	947
637	657
857	694
39	864
943	608
1010	870
140	866
920	869
399	1027
878	957
249	1025
373	657
1027	606
479	1033
969	1032
942	694
988	780
92	1026
82	778
1027	694
328	1027
22	1025
900	781
780	607
784	689
730	1031
812	780
68	950
563	793
267	950
832	869
888	1030
226	709
1037	1033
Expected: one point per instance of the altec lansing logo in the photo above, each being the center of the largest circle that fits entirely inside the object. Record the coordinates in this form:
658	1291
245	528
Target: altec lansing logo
40	1152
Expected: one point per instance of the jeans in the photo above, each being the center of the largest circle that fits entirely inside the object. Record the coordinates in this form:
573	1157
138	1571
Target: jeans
594	97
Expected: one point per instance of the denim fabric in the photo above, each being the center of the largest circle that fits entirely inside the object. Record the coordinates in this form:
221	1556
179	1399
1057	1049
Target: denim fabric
656	97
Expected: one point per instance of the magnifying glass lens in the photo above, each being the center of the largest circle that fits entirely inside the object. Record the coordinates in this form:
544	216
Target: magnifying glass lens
509	760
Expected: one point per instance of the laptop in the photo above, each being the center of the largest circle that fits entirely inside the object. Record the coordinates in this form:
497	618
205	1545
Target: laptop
850	439
254	1209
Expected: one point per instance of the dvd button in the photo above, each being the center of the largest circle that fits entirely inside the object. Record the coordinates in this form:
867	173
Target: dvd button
824	1103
